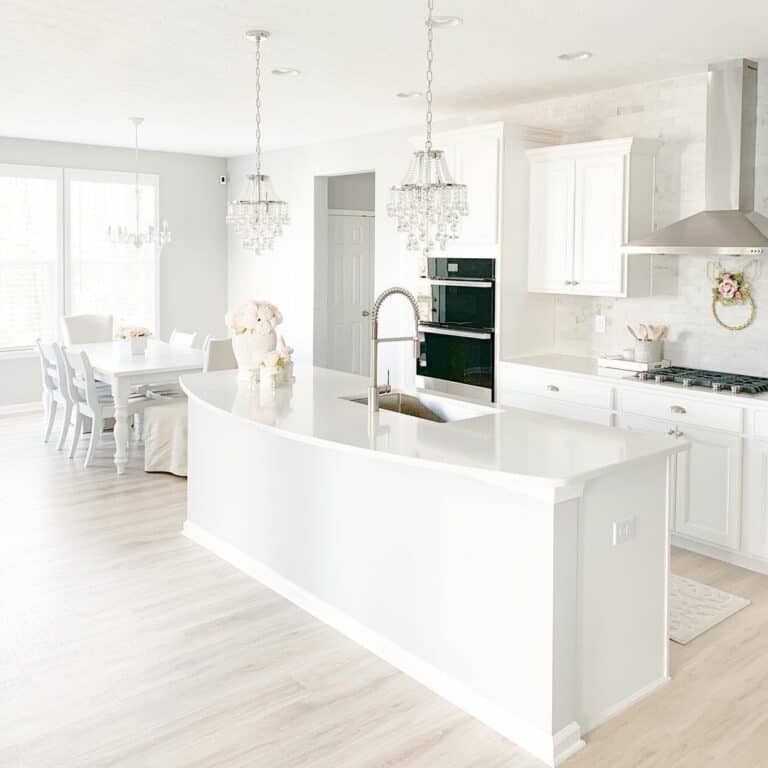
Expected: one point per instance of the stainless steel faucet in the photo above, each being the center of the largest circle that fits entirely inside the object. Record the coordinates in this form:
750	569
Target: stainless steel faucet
373	389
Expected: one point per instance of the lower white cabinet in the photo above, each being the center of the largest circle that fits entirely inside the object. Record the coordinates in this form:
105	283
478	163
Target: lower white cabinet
707	481
720	484
755	511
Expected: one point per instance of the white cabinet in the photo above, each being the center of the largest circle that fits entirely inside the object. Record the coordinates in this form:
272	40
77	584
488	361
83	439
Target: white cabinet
707	480
755	513
585	201
474	158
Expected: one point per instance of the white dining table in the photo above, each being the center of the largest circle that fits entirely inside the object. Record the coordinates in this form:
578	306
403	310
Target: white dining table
160	364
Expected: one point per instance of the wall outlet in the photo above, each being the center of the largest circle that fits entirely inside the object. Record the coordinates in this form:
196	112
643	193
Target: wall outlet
624	530
599	323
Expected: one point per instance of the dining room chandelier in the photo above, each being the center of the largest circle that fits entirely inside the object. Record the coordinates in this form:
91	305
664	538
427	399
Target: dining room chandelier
428	204
122	235
259	216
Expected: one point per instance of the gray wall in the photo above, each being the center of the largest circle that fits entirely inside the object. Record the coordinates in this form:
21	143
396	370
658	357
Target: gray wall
193	268
353	192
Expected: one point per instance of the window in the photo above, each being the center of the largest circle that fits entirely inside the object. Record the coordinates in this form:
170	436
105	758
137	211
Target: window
55	258
103	278
30	252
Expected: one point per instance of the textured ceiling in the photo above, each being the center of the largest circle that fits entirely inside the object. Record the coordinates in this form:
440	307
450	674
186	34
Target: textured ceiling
74	70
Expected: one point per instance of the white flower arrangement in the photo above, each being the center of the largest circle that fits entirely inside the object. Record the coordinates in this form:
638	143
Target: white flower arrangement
132	332
277	358
256	317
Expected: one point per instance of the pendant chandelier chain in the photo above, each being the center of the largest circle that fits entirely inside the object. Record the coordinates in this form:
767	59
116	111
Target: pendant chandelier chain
430	56
258	113
136	170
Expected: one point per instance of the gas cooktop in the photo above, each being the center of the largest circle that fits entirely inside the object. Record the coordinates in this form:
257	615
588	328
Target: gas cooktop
714	380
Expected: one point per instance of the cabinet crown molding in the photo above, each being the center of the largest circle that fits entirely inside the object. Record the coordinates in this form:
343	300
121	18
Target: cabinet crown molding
629	145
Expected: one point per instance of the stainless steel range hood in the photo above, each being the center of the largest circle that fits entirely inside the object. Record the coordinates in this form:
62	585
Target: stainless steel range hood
729	226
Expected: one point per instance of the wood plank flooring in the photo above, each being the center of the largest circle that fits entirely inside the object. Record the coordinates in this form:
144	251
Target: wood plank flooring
124	644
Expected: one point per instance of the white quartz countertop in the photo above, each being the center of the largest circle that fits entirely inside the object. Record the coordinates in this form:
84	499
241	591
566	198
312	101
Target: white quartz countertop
513	447
587	366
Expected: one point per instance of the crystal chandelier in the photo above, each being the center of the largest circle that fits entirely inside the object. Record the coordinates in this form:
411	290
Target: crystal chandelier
259	217
120	235
429	204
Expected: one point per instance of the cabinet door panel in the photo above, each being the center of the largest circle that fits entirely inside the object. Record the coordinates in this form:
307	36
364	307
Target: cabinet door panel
599	224
709	487
707	480
646	424
755	513
550	234
476	164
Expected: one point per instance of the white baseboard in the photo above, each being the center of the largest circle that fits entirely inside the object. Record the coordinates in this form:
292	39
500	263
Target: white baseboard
553	749
9	410
592	723
750	562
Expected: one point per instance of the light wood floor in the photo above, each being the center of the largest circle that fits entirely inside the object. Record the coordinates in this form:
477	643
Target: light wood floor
123	644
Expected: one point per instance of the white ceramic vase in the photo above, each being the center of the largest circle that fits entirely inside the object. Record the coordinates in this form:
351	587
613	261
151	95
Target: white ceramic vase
249	349
137	345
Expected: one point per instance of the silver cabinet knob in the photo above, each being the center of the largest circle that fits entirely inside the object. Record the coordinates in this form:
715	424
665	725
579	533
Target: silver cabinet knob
569	282
677	409
552	388
365	313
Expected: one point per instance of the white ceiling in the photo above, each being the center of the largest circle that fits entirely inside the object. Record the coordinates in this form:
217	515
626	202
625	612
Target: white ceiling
74	70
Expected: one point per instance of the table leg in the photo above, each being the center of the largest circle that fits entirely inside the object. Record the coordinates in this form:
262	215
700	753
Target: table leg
120	392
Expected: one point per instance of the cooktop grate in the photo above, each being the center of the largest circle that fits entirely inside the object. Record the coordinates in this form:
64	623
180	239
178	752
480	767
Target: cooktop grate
714	380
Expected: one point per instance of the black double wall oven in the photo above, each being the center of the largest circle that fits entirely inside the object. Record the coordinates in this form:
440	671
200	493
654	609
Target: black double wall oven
457	343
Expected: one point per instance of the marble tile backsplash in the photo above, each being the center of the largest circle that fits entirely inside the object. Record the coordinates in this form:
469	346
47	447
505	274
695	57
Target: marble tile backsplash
675	112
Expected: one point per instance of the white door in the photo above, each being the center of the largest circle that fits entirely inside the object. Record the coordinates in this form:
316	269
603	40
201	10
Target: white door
599	224
350	258
707	480
550	231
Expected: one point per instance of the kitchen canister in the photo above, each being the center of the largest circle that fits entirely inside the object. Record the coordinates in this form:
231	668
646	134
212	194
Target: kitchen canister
649	351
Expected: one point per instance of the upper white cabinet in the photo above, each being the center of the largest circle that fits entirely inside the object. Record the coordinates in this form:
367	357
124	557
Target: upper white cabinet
586	200
474	158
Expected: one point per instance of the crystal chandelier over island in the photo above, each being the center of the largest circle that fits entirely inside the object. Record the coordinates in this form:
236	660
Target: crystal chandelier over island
429	204
120	235
259	217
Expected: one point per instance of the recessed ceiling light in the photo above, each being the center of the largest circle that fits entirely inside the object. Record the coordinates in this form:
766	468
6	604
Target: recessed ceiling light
409	94
441	22
576	56
286	71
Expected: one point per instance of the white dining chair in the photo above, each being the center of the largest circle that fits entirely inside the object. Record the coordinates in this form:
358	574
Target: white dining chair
86	329
93	402
182	339
179	339
218	355
53	393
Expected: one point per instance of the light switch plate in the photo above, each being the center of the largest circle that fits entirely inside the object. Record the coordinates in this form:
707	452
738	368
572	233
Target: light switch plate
624	530
599	323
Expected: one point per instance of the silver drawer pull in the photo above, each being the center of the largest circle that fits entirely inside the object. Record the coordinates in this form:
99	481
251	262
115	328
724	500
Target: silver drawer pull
675	433
677	409
552	388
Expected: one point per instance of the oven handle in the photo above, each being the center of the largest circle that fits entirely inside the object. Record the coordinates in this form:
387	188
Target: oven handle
463	283
449	332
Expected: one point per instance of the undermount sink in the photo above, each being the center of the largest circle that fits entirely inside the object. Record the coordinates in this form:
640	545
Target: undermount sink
428	407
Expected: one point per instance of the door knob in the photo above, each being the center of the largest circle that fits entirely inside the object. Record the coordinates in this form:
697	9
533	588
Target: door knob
365	313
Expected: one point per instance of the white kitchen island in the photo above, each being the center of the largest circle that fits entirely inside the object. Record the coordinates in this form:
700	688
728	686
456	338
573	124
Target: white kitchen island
477	555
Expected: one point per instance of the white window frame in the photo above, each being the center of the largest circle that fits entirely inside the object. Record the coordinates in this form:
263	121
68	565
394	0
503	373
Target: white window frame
119	177
57	175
